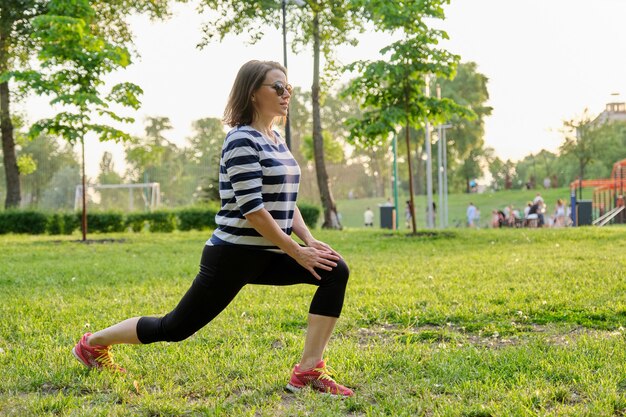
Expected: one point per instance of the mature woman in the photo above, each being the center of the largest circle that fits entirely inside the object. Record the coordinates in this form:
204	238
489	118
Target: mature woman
259	181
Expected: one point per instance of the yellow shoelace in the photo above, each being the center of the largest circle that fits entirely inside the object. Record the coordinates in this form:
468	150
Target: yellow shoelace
105	357
325	373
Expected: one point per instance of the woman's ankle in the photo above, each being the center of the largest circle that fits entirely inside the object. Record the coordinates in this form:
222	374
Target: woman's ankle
306	364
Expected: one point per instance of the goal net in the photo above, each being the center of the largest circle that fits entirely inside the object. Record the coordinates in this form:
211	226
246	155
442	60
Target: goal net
131	197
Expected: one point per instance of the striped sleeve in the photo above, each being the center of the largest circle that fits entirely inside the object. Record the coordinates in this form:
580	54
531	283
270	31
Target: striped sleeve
243	168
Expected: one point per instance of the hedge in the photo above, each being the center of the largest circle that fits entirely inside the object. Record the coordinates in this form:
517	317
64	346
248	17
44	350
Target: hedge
156	221
23	221
310	214
196	218
191	218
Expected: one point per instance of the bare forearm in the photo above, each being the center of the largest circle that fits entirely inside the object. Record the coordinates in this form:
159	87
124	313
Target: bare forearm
300	229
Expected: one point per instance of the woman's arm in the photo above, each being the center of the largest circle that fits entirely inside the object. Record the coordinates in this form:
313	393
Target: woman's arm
300	228
302	231
309	257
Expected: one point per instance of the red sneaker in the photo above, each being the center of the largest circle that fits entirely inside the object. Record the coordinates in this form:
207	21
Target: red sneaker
97	356
319	378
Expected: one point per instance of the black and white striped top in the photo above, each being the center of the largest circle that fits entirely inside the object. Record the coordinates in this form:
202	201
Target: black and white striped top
255	173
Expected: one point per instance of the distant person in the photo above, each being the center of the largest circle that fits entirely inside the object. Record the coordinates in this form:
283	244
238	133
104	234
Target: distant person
368	217
538	198
388	203
547	183
471	215
495	219
536	209
473	185
559	214
408	214
252	243
527	209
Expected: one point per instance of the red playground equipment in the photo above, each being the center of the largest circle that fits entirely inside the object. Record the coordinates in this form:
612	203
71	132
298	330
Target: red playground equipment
607	204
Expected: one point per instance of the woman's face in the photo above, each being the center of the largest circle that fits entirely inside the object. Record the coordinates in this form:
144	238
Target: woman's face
266	100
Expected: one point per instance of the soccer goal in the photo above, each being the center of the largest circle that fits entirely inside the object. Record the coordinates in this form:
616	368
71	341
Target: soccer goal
150	193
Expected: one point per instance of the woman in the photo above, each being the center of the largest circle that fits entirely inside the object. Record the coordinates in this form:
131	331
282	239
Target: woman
559	213
258	188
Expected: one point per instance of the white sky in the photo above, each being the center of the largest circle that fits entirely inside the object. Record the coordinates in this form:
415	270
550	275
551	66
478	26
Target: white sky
546	61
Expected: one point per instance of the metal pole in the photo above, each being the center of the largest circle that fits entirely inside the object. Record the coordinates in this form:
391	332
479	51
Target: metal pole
395	176
84	191
445	179
429	166
287	124
439	166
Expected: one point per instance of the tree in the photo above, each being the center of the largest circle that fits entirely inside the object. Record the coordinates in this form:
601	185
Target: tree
73	61
17	49
206	146
466	135
392	89
48	157
154	158
322	24
580	142
502	173
333	151
111	198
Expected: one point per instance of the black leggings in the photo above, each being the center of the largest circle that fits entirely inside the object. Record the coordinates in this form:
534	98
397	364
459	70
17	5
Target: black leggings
224	270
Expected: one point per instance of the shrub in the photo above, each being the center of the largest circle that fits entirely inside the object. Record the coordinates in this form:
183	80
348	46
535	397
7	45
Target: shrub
161	221
23	221
310	214
71	222
196	218
157	221
136	221
55	224
63	223
105	222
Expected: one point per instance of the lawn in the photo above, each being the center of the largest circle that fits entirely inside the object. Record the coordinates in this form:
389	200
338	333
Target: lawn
465	323
352	210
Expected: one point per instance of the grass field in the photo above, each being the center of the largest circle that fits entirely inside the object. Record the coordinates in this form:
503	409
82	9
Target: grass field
466	323
352	210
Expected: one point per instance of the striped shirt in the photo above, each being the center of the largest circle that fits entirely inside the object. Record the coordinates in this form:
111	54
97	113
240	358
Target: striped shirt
255	173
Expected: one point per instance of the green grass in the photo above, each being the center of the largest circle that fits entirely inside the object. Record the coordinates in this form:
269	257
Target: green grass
352	210
467	323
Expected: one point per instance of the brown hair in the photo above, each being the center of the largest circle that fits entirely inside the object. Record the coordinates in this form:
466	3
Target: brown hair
239	109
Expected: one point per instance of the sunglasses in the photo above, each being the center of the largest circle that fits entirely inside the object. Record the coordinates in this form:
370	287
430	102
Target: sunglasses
280	88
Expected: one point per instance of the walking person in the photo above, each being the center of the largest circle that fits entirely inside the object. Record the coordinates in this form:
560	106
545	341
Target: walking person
368	217
471	214
259	181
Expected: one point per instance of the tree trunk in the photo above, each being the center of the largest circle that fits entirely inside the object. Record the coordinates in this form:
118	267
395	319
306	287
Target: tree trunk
580	180
331	220
13	197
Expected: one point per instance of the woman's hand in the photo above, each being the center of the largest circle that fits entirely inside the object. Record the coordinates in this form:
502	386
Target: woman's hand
314	243
319	256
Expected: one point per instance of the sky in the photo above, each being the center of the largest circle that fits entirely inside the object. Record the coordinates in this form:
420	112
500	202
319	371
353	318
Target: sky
546	61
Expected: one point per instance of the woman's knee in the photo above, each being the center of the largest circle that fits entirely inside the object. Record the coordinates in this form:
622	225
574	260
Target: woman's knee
341	272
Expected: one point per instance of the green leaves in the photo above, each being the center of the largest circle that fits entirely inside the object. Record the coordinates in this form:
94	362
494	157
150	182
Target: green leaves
73	62
126	94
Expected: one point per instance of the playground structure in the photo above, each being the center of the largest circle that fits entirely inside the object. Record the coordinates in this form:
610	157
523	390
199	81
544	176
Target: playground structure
607	203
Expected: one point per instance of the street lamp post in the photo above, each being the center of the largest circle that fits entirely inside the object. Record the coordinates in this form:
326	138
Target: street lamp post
284	6
429	166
